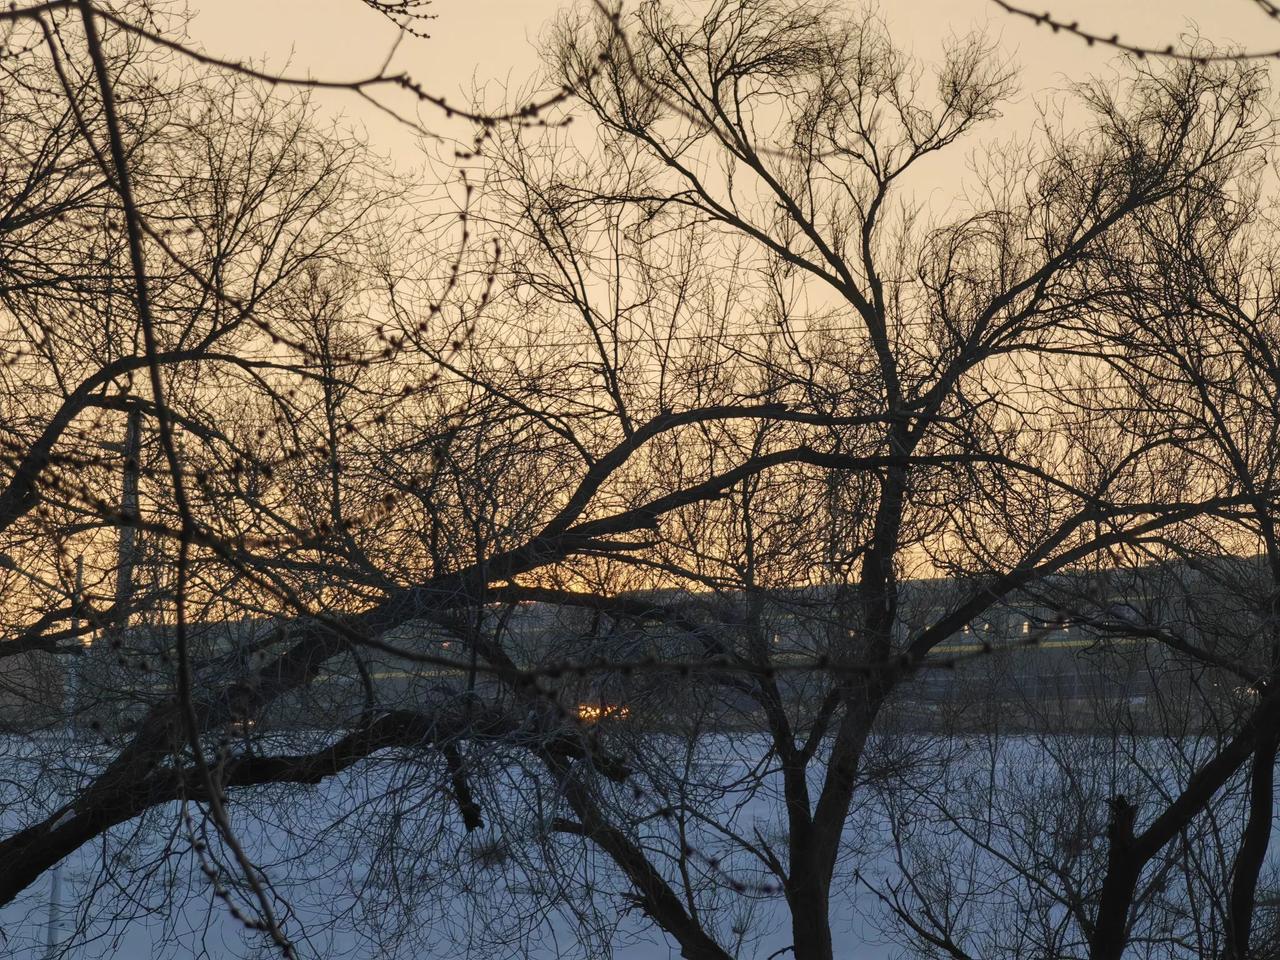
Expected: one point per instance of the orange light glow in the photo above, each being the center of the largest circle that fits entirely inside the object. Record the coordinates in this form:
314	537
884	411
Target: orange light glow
595	712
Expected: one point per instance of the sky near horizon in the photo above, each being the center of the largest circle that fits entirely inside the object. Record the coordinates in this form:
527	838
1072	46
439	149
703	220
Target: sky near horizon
492	42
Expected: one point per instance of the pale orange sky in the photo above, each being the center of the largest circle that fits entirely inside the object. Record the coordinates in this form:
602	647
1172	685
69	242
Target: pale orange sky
492	40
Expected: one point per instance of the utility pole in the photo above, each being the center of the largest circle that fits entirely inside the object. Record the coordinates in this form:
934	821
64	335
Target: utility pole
73	669
126	549
71	691
126	562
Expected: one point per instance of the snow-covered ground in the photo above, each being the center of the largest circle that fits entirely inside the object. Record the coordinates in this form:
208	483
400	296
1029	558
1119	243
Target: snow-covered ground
140	893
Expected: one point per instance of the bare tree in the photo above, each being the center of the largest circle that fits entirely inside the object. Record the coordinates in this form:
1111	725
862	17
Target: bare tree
1179	838
908	362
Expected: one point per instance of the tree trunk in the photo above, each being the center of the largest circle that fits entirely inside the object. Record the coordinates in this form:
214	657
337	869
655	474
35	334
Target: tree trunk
1110	932
1253	848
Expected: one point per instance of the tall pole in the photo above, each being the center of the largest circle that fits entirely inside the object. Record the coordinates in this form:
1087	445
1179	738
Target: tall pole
73	671
53	927
126	549
126	561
